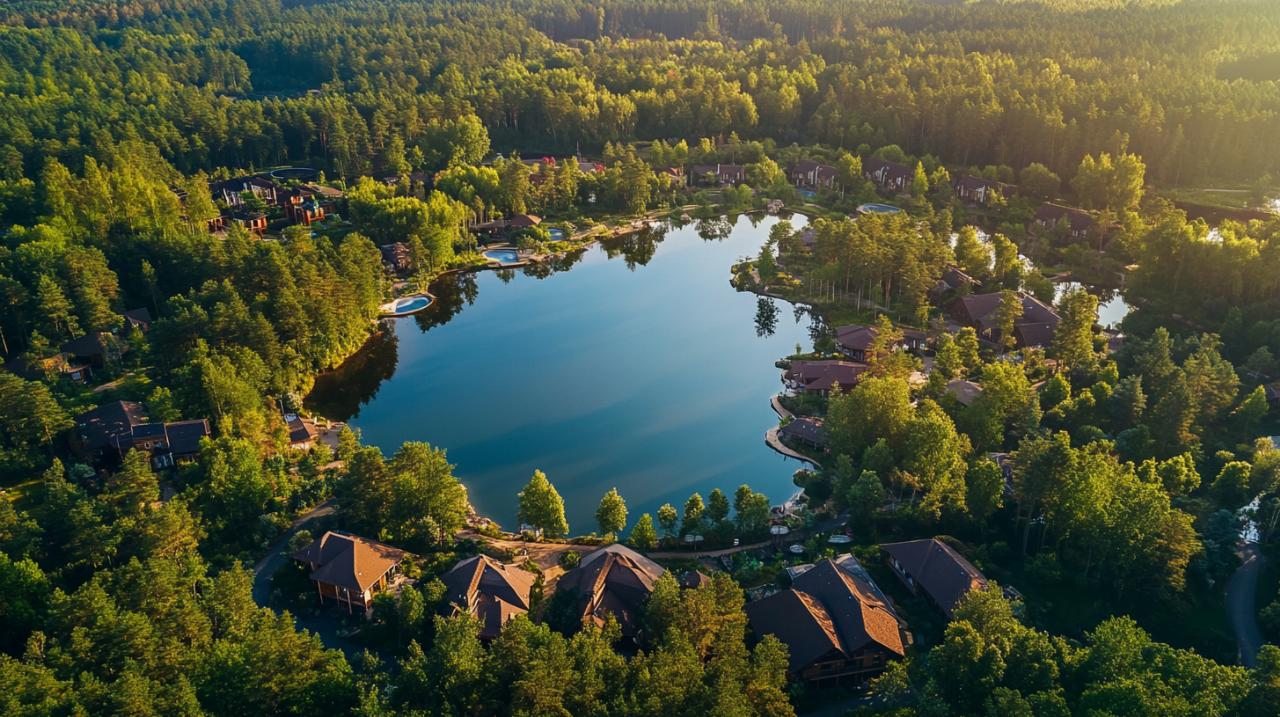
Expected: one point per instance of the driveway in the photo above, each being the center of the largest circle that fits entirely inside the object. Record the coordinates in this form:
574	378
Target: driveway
1242	609
326	628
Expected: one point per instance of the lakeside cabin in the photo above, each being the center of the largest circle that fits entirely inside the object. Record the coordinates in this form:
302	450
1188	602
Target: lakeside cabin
714	174
488	590
809	174
805	431
935	569
855	340
1074	223
889	176
836	623
979	191
821	377
350	570
1035	328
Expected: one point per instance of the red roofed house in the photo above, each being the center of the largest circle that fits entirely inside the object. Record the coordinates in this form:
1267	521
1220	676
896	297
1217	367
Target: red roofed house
936	569
821	377
492	592
349	569
835	622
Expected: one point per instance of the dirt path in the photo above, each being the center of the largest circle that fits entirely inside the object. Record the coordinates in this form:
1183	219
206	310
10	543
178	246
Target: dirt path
1241	600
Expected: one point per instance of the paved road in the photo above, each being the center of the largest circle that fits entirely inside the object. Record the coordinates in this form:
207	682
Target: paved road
324	626
1241	599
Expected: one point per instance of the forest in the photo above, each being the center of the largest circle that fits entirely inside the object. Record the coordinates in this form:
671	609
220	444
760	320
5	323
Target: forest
1108	475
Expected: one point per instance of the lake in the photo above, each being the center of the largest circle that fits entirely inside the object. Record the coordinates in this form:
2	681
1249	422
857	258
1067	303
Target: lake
633	364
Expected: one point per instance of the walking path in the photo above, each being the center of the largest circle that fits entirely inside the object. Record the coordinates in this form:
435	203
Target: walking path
707	553
771	438
1241	599
779	409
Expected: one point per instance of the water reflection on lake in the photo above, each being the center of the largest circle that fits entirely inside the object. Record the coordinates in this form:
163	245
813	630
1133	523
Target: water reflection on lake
1112	308
640	368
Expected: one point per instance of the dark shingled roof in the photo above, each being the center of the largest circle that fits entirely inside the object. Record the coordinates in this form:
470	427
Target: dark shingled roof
491	591
1078	219
830	608
938	569
89	345
808	430
349	561
184	436
613	580
101	427
825	375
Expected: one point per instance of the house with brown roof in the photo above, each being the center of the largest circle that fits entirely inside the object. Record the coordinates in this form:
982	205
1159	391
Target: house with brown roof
935	569
888	176
612	581
822	377
397	256
492	592
96	348
139	319
980	191
1035	327
519	221
952	282
302	432
113	429
805	431
836	623
733	174
1076	223
965	392
855	340
348	569
814	175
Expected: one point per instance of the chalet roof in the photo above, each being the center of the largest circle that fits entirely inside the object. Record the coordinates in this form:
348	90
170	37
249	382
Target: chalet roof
884	170
349	561
856	337
103	426
693	579
954	278
91	344
808	430
828	609
300	431
614	580
826	374
938	569
141	315
1078	219
966	392
493	592
185	436
968	182
980	310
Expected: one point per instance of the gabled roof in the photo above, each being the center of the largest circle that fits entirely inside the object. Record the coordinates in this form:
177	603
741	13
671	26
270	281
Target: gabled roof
1078	219
826	374
300	431
809	430
966	392
830	608
349	561
141	315
101	427
856	337
91	344
185	436
938	569
980	309
493	592
613	580
971	183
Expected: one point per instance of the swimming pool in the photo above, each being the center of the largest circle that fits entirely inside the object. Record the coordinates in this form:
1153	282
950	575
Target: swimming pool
407	305
505	256
877	208
557	234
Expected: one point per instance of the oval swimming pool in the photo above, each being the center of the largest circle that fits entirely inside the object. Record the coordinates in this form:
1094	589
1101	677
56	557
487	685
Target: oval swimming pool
506	256
409	305
877	208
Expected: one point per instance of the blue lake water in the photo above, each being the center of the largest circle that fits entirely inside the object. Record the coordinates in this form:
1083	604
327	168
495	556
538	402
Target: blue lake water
632	364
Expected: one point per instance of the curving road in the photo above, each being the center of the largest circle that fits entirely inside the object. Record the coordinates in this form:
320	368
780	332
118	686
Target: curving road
1242	609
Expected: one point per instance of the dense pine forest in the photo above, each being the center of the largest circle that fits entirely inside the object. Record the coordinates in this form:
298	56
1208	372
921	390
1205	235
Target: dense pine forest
169	296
